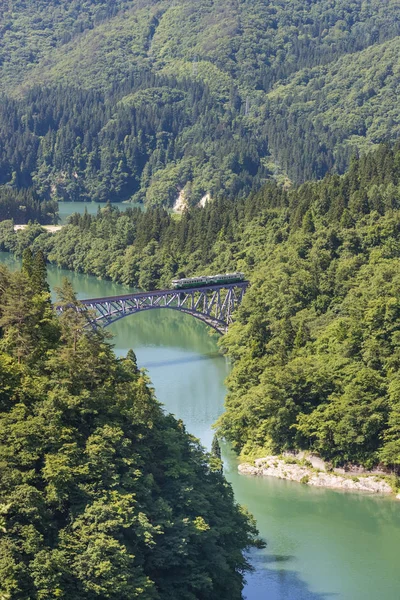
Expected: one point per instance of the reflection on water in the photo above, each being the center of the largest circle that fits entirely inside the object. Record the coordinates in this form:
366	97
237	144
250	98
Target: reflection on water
321	544
65	209
271	581
184	364
183	360
165	328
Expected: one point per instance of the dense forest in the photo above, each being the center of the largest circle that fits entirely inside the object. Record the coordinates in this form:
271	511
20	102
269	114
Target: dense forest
146	139
149	100
23	206
102	495
274	125
316	342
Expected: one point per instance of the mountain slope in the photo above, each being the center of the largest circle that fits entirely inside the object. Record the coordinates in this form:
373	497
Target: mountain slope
348	105
238	90
251	40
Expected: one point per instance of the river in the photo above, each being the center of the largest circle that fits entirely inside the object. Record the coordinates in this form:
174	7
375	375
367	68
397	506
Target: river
65	209
322	544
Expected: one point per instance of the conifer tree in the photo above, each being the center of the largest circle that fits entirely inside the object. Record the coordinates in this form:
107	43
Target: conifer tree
131	357
39	273
27	262
215	447
71	317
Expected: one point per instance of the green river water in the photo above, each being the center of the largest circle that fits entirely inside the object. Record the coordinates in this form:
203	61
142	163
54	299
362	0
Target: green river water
321	544
65	209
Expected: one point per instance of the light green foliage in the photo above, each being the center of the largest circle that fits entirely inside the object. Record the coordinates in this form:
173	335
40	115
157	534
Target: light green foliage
255	42
102	495
25	314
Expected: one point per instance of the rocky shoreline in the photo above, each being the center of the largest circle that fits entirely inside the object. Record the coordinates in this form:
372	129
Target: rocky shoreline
302	471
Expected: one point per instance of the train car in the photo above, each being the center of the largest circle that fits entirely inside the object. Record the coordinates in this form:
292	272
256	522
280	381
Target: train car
193	282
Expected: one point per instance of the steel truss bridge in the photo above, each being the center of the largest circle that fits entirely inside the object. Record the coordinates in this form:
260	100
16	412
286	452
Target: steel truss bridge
213	304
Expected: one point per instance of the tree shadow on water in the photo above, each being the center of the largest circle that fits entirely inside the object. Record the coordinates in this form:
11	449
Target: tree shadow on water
279	583
183	360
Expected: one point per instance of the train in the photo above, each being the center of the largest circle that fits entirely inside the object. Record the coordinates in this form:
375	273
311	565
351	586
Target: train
193	282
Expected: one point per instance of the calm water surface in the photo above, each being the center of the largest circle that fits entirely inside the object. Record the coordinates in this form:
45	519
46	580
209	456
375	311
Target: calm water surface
65	209
322	544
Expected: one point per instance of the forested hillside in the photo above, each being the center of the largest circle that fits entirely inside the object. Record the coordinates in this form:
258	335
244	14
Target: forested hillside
119	99
316	342
24	205
344	107
147	139
102	495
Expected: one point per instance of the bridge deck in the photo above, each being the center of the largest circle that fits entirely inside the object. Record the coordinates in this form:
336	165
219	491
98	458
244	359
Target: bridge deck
164	292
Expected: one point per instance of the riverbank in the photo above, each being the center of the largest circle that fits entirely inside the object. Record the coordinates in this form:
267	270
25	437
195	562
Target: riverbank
302	471
48	228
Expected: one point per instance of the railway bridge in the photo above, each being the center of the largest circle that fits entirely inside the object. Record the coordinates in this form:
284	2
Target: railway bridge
213	304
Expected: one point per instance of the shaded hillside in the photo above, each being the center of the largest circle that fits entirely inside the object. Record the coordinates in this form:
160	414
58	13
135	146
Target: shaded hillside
24	206
147	138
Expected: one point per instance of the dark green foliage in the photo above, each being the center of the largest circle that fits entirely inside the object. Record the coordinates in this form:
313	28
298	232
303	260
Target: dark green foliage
27	262
39	273
102	495
216	454
215	447
147	139
111	100
24	206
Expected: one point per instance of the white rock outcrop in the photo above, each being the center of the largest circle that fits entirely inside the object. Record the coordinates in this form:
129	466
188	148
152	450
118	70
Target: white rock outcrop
180	203
274	466
206	198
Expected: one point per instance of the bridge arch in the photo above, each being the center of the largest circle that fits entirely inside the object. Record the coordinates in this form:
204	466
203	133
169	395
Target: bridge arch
213	304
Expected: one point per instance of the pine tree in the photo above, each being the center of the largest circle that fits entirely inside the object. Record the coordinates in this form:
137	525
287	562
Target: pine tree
216	457
16	322
131	356
71	318
215	447
39	274
27	262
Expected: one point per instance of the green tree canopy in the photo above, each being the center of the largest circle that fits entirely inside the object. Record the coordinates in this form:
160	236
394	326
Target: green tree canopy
102	495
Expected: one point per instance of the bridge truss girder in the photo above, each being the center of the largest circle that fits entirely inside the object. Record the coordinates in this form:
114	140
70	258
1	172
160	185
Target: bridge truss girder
213	305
